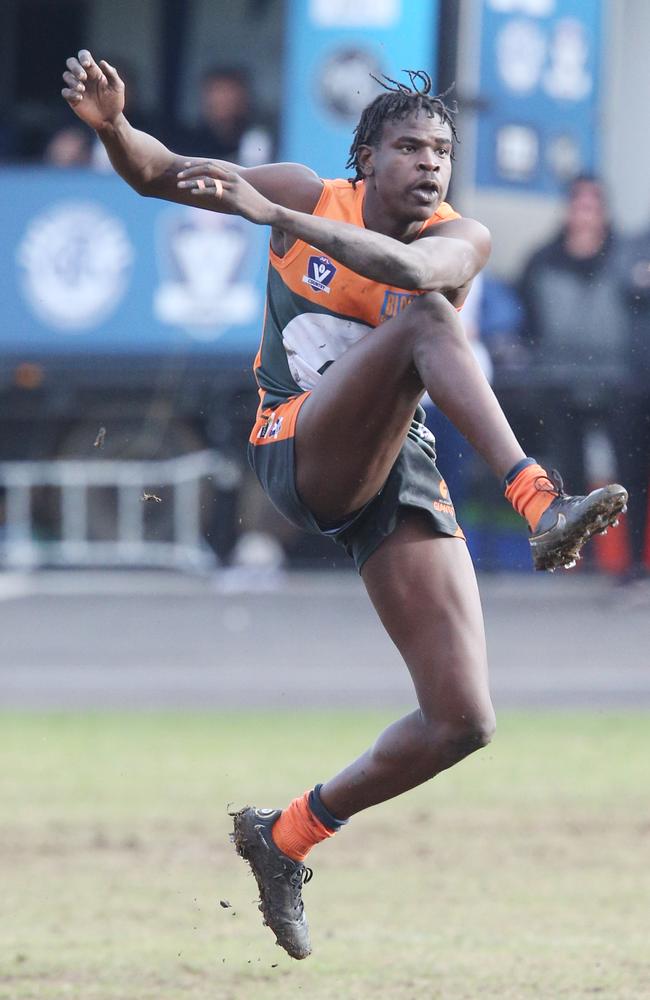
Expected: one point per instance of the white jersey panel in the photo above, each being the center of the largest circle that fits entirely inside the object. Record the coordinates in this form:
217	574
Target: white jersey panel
314	340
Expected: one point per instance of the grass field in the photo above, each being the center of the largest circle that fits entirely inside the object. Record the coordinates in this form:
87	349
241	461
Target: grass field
524	872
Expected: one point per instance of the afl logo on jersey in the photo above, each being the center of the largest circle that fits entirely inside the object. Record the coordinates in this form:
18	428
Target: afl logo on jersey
320	272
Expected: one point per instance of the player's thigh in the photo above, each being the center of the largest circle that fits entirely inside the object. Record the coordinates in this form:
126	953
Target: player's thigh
424	589
350	430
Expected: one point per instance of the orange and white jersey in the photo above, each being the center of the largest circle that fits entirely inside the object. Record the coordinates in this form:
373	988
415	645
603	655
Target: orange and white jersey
316	308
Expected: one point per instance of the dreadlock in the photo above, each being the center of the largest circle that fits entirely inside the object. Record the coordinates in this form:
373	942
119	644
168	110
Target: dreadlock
399	101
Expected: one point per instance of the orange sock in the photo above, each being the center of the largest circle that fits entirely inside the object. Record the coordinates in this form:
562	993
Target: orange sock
531	492
298	830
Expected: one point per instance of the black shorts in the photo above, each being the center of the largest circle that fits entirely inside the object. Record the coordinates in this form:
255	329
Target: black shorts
413	483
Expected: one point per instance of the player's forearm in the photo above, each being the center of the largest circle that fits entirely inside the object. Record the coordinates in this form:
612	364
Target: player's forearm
371	254
413	266
140	159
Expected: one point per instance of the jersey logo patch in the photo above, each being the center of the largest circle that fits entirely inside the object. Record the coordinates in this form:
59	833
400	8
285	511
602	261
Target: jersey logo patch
271	428
320	272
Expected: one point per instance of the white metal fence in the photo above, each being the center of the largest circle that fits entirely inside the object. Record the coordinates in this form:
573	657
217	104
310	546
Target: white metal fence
184	482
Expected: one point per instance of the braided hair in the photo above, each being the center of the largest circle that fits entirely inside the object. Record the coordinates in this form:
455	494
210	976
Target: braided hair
399	101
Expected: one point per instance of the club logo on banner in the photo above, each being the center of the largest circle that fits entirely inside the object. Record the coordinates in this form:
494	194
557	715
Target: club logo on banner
76	261
204	285
347	82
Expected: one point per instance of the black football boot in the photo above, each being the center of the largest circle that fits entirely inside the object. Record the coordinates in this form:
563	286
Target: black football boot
279	878
569	522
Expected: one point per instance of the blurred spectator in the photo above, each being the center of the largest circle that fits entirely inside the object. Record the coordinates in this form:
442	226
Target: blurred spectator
576	327
227	128
69	147
586	299
634	446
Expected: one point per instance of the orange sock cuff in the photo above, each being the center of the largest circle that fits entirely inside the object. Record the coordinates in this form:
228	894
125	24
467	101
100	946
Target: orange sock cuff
298	830
531	492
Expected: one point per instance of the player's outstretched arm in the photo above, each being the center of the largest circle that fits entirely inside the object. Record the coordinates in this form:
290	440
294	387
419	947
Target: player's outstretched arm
95	93
445	261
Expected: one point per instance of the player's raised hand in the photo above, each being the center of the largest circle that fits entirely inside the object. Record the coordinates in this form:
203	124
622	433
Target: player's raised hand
93	90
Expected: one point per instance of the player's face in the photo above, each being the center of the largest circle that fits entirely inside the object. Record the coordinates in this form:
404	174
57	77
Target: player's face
411	165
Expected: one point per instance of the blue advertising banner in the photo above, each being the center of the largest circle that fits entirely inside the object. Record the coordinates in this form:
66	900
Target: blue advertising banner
539	79
91	267
332	48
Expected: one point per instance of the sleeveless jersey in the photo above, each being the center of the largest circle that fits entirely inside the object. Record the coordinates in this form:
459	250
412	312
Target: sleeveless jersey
316	308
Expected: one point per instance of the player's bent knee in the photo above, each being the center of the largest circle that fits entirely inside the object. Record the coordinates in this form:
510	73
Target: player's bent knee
433	745
484	730
464	736
434	309
434	320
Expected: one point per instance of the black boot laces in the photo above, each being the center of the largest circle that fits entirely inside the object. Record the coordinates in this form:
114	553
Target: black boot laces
301	876
552	483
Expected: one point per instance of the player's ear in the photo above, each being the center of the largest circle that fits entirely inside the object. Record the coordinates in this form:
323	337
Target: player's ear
364	159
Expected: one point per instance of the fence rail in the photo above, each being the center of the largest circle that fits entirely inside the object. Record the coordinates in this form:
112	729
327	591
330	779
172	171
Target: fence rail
135	484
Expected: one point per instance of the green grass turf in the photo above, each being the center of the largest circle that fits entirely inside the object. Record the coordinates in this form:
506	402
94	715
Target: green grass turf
523	872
